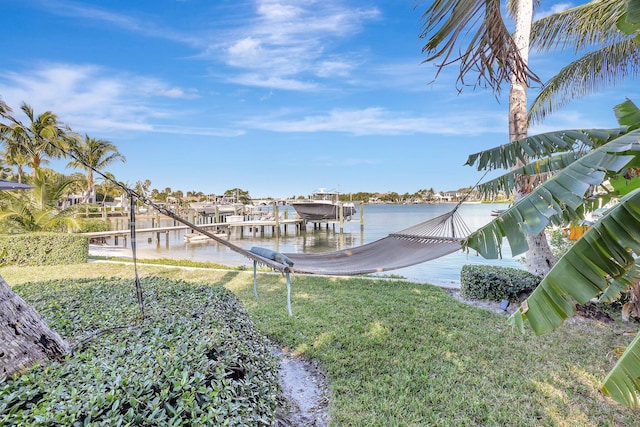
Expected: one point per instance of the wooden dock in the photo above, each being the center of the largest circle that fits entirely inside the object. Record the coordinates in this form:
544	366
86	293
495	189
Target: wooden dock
249	226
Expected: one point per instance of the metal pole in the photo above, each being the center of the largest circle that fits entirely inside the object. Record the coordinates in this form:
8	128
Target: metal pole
289	294
255	280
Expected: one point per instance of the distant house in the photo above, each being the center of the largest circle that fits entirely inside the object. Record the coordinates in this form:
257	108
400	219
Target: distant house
444	197
74	199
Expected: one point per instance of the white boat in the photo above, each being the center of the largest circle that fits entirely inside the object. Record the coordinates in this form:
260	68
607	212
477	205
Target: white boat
323	206
198	238
211	208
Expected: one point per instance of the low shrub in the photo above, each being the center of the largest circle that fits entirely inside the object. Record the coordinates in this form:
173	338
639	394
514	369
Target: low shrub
94	225
196	359
44	248
485	282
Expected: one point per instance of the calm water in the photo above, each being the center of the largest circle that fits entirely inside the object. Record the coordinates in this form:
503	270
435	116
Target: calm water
379	220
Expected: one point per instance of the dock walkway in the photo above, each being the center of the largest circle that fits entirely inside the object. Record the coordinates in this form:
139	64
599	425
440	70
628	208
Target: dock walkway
251	225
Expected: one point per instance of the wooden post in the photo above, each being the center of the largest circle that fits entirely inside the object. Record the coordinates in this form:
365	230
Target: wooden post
276	214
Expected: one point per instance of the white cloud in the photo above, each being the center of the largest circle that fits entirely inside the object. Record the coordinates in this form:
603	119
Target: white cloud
91	98
332	68
272	82
289	38
379	121
277	39
145	26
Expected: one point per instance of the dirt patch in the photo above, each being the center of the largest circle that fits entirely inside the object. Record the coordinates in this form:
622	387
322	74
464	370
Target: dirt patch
486	305
305	390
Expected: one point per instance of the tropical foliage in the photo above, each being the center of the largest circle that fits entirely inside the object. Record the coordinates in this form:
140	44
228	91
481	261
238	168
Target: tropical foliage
605	32
92	154
37	209
33	143
602	263
490	52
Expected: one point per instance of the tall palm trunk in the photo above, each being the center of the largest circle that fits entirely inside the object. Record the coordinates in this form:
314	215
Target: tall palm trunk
539	258
25	338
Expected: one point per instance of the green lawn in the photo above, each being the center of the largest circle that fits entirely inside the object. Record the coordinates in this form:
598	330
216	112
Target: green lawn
404	354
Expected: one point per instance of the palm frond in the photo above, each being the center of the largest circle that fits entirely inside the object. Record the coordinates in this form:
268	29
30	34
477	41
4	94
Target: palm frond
555	200
591	24
491	52
541	145
602	68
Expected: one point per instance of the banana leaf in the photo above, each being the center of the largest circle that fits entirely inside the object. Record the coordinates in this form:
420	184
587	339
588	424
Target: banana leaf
543	145
506	182
622	383
623	186
627	113
604	255
557	199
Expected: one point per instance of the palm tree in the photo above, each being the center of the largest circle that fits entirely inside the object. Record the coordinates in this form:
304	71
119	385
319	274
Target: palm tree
603	263
108	186
40	139
610	55
497	57
27	339
93	154
14	157
37	209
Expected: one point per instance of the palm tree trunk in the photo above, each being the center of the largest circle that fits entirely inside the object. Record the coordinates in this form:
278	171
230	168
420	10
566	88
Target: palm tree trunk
25	338
539	257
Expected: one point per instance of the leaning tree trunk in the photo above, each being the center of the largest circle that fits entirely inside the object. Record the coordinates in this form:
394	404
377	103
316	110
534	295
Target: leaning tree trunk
25	338
539	257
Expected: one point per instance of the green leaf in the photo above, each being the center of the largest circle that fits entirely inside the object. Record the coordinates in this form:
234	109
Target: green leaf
627	114
541	145
623	382
582	273
624	186
633	12
554	200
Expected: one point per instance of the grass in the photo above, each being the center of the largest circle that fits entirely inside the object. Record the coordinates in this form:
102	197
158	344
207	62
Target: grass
404	354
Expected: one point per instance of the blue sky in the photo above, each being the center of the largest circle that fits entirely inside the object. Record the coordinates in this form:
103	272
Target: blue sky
277	97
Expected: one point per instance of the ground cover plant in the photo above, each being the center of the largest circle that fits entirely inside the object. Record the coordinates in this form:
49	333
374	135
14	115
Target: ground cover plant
195	360
401	353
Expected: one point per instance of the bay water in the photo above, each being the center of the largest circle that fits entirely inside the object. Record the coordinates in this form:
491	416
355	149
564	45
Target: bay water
379	221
